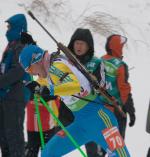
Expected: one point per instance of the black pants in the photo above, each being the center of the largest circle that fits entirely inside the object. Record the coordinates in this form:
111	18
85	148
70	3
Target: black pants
93	150
11	129
34	142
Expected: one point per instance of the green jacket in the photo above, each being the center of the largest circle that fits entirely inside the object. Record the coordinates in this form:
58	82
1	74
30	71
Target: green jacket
110	78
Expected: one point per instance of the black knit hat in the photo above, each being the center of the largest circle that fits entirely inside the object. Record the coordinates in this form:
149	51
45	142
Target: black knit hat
84	35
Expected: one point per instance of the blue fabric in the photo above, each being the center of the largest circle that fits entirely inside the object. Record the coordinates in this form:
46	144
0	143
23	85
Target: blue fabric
7	61
27	92
30	55
51	90
18	24
87	126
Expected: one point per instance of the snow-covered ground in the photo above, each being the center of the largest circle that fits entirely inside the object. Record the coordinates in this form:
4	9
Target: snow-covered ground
134	15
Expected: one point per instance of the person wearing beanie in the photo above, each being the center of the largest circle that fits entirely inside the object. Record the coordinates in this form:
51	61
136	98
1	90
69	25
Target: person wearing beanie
12	91
92	122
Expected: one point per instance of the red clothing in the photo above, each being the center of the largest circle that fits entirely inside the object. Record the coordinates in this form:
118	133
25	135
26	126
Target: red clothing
114	48
46	119
123	85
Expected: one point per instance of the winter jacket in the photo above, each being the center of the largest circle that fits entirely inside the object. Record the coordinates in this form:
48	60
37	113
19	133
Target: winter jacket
11	77
115	72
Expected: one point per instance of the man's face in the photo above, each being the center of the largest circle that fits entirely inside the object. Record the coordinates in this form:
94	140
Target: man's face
37	69
80	47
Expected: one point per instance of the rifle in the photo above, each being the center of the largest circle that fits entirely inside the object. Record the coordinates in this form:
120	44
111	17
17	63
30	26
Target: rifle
94	82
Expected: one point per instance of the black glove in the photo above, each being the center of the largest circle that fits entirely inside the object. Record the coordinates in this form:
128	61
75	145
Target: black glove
129	108
33	86
45	94
132	119
27	39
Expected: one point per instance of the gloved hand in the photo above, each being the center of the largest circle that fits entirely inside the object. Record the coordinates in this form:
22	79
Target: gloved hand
45	94
131	115
33	86
129	108
132	119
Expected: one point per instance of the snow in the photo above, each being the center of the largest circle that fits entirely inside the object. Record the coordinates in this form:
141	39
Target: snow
135	19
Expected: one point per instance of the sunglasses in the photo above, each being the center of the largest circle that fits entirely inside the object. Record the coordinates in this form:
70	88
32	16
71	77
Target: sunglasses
29	69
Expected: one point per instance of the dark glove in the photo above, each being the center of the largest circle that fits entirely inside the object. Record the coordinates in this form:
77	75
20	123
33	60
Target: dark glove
132	119
33	86
129	108
45	94
27	39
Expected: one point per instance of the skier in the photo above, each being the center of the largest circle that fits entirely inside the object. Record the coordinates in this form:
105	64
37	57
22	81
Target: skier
12	95
114	78
93	122
80	38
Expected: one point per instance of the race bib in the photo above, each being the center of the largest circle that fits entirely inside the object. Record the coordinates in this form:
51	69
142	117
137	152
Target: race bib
113	138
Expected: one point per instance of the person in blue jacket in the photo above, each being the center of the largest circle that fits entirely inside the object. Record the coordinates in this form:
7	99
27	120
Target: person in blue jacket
12	90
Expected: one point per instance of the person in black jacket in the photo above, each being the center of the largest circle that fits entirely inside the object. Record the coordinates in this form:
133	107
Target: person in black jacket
79	38
12	90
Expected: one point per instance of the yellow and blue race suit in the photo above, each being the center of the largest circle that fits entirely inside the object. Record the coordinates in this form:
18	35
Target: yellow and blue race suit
93	122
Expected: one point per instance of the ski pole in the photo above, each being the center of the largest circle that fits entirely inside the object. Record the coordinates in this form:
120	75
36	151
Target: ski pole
39	121
62	126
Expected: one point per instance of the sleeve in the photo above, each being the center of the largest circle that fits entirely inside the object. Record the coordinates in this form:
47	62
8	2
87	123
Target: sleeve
69	85
12	76
123	84
16	72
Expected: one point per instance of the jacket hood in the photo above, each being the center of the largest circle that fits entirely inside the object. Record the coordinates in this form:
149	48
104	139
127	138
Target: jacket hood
84	35
18	24
114	45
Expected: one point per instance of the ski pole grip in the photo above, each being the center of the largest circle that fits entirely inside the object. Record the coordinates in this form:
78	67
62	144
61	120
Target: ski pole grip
31	14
